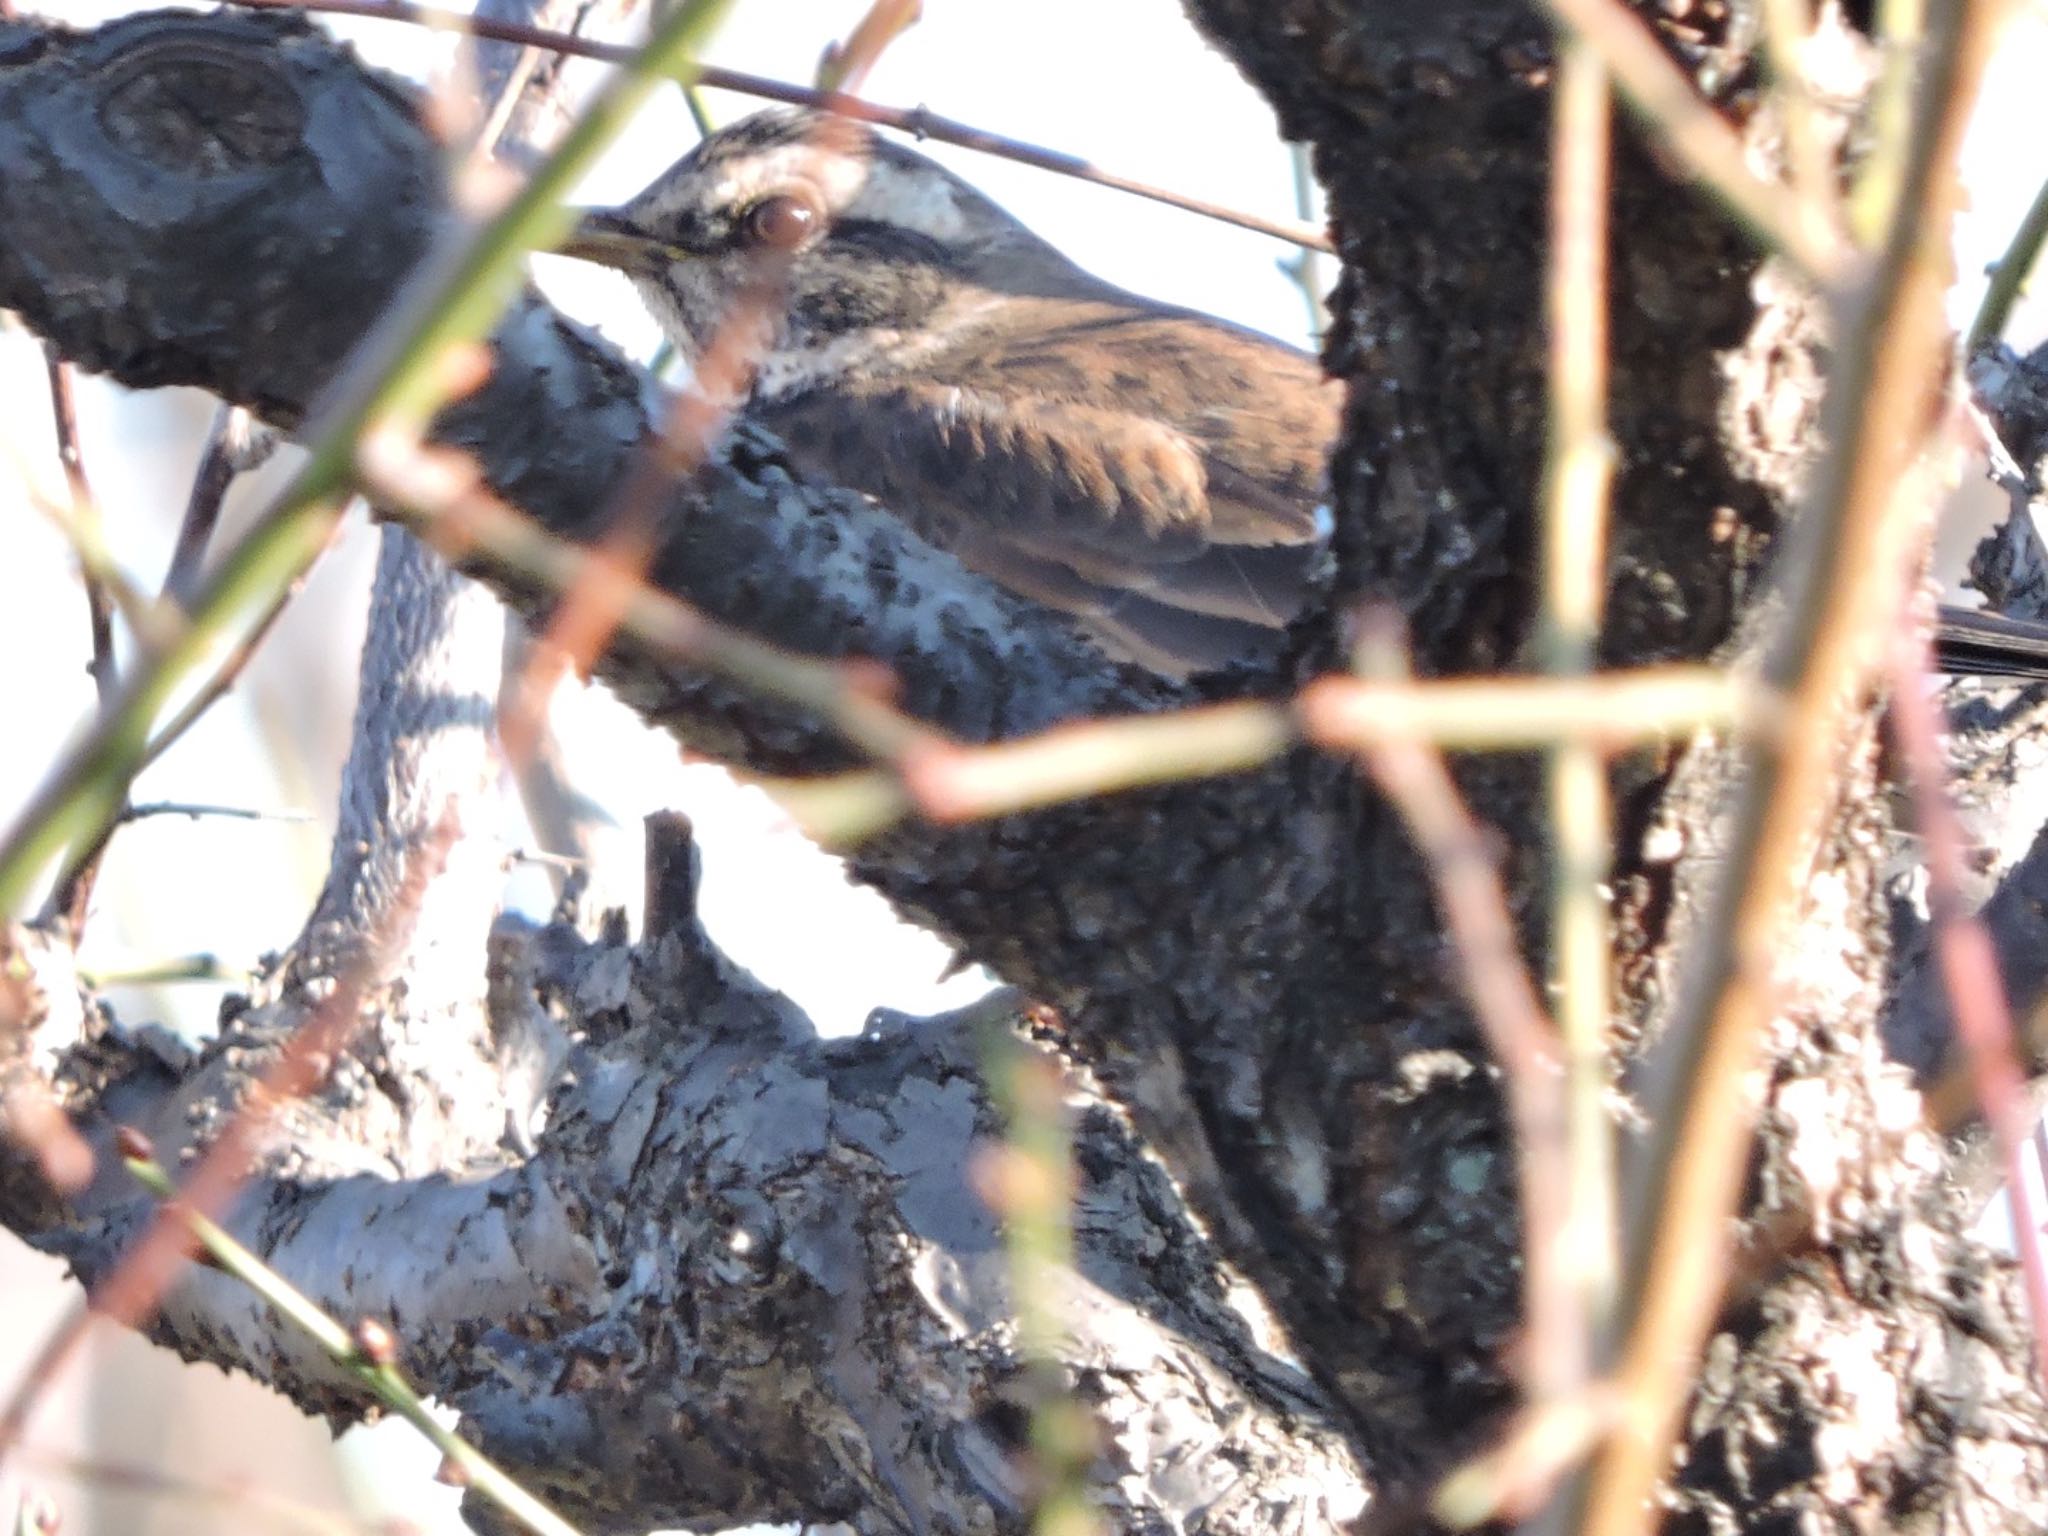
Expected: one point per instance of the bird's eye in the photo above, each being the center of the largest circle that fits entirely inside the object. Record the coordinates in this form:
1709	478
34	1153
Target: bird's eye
782	222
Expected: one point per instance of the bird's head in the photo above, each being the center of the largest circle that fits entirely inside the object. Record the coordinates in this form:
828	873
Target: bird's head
857	242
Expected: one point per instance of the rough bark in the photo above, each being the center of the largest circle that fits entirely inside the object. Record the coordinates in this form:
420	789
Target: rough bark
1251	967
743	1277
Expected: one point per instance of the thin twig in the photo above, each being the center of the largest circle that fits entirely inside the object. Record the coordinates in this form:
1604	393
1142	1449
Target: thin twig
73	889
149	622
1342	714
401	371
1501	1482
1305	268
361	1354
1029	1183
945	781
1880	178
1094	757
71	900
232	1505
1837	578
1788	30
706	125
1572	1268
132	1289
499	118
202	966
1494	713
231	449
846	66
1699	137
439	493
1968	958
71	454
227	672
1496	982
592	607
2009	277
195	811
540	856
218	684
915	120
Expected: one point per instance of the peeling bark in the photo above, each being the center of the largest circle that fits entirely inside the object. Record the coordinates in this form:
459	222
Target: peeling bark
744	1277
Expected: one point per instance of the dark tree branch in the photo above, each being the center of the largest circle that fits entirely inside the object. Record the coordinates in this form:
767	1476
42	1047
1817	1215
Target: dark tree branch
744	1276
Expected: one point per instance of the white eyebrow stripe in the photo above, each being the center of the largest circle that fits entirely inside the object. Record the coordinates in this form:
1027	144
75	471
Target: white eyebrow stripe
923	200
839	177
853	185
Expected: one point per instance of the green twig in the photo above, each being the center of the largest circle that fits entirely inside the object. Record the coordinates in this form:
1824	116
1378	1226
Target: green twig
948	782
392	374
364	1355
1880	179
1582	1261
1788	28
2009	277
1840	566
185	968
700	114
1030	1186
1703	141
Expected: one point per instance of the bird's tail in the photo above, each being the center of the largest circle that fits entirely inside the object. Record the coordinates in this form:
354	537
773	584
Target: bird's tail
1970	643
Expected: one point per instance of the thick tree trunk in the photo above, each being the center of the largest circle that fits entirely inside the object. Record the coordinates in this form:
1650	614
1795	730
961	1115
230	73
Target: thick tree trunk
743	1276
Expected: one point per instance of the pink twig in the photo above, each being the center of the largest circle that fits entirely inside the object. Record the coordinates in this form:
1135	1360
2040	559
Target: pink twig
1969	962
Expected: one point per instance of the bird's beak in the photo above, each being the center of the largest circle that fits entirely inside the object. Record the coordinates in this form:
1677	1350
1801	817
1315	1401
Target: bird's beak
608	238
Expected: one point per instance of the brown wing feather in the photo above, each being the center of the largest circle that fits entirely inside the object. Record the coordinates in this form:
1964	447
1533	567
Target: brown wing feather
1126	495
1261	416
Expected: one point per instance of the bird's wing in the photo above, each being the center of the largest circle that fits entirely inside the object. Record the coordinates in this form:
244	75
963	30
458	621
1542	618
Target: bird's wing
1135	523
1258	417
